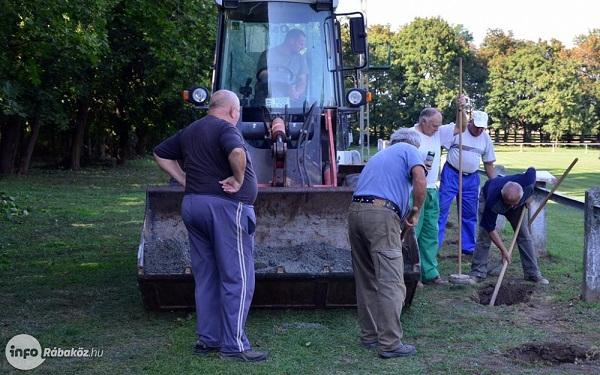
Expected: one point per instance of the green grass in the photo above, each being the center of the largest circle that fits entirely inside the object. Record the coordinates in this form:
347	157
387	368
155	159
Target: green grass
68	278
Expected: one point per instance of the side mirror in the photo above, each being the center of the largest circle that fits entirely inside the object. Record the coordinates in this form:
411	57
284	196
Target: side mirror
358	35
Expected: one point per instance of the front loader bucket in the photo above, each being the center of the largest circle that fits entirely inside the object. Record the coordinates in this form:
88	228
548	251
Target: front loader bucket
302	255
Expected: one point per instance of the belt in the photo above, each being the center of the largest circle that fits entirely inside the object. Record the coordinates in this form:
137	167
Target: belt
456	170
377	202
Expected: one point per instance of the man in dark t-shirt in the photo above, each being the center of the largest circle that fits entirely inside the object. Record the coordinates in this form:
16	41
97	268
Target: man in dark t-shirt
218	212
506	196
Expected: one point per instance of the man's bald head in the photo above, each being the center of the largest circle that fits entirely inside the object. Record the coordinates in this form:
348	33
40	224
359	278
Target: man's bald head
512	193
225	105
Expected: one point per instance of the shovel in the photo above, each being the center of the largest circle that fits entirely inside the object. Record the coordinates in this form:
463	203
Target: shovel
459	278
539	209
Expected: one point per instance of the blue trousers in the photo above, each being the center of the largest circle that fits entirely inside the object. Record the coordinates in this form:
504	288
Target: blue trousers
221	233
470	192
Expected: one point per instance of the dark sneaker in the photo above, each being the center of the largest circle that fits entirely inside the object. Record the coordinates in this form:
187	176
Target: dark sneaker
538	279
370	345
401	351
495	269
476	279
245	356
203	349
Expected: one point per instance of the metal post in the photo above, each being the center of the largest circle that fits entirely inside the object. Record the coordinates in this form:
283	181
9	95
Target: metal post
364	110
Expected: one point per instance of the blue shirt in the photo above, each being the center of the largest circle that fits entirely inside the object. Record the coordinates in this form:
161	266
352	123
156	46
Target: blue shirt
387	175
494	203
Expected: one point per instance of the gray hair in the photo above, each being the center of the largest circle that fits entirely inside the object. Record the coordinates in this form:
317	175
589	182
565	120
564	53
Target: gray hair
428	113
406	135
512	192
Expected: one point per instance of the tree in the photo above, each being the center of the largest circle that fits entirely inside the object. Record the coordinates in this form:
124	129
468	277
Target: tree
98	72
425	68
49	48
586	56
533	89
496	48
158	48
382	111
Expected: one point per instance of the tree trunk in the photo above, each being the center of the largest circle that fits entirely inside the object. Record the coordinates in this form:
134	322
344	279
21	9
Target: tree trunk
124	144
141	144
9	143
33	135
83	109
101	149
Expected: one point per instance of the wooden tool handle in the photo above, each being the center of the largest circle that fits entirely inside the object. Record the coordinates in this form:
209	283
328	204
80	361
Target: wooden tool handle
510	249
556	185
411	214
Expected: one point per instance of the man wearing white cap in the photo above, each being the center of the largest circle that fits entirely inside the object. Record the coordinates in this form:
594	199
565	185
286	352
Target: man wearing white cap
476	147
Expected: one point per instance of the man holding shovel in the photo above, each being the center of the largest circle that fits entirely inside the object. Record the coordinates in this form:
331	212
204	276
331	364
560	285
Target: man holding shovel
476	147
433	135
506	196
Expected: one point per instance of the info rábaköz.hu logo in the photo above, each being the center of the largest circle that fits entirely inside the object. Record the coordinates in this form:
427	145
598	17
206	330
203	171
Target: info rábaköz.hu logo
24	352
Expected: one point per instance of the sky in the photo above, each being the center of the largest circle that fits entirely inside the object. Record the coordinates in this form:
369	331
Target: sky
528	19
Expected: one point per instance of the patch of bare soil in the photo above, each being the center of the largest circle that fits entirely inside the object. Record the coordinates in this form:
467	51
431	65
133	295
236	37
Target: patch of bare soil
509	293
554	353
569	351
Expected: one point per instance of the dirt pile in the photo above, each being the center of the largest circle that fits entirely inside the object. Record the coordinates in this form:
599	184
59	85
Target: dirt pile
508	294
311	258
554	353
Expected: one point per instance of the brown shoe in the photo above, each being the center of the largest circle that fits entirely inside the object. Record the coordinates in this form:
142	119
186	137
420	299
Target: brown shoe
437	281
400	351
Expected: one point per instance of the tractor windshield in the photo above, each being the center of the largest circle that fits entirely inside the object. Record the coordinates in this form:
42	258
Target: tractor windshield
275	54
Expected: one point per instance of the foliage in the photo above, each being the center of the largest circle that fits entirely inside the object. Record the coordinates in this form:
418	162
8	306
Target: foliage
84	80
9	207
382	109
110	71
540	87
425	70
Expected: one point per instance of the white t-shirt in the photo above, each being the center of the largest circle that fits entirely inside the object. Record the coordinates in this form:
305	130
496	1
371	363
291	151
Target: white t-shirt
434	143
474	150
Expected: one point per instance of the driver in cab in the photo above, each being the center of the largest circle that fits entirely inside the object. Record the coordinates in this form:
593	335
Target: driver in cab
283	69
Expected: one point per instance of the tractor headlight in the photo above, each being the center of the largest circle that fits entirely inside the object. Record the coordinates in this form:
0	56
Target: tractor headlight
356	97
196	95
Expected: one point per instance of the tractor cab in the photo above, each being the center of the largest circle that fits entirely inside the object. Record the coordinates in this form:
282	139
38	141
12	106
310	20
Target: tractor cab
285	61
